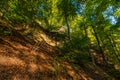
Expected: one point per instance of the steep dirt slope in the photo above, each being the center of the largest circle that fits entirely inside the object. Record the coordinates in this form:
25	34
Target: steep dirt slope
20	60
34	58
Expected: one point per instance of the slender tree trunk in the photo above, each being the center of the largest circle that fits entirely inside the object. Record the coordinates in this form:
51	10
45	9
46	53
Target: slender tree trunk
99	44
68	27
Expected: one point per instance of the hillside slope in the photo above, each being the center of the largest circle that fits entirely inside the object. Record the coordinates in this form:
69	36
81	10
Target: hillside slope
35	59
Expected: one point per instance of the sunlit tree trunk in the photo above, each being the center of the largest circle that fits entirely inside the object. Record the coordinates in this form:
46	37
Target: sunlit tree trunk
68	27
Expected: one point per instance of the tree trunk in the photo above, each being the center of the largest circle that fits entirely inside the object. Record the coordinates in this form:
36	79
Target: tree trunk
68	27
99	44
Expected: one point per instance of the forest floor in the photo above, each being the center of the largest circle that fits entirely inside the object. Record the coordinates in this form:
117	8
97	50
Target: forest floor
24	60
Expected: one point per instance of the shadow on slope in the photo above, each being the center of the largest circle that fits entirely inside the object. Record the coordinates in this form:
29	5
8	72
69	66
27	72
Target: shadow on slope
19	60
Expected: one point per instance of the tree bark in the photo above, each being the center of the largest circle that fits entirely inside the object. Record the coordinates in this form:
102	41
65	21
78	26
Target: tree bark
68	27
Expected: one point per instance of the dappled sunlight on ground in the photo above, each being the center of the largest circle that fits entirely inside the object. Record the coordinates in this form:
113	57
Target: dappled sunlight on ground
23	62
9	61
20	60
117	66
39	35
32	68
72	72
14	55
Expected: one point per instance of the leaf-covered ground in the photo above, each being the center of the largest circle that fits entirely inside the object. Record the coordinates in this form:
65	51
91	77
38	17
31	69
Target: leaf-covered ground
35	58
21	60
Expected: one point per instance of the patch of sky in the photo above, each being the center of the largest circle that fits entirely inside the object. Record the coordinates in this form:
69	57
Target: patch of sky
80	8
108	14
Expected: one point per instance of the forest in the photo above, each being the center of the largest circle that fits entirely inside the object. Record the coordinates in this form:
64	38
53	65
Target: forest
59	40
